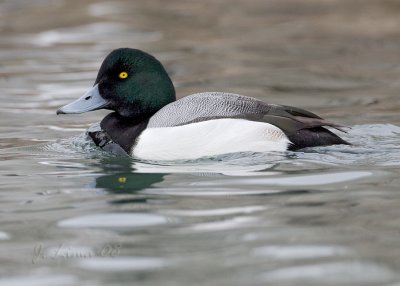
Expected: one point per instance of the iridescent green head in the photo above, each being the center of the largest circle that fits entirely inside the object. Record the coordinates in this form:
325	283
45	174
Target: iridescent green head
130	82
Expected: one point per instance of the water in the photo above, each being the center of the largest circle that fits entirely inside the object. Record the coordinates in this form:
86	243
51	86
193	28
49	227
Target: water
74	215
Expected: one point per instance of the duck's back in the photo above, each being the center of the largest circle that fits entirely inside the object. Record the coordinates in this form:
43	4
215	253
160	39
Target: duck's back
208	106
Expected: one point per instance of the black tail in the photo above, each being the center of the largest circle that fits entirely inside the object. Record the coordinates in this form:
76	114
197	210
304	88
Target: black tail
312	137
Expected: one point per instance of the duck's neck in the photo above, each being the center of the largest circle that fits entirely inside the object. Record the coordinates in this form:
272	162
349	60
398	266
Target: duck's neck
122	130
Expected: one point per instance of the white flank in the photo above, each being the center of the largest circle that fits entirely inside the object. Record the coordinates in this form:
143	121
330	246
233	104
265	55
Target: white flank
208	138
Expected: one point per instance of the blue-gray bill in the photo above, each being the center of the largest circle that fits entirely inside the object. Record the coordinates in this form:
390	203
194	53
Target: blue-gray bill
90	101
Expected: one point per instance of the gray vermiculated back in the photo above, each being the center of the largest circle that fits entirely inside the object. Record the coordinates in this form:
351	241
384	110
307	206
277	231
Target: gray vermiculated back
208	105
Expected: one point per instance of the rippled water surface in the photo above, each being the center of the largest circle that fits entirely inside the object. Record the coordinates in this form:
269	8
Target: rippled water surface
74	215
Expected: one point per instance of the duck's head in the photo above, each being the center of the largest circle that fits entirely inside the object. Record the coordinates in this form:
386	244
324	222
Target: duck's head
130	82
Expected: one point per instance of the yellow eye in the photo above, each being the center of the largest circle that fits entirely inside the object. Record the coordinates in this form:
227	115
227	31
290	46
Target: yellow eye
123	75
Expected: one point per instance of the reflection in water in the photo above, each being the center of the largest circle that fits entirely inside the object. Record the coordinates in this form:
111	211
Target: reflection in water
120	176
124	174
128	182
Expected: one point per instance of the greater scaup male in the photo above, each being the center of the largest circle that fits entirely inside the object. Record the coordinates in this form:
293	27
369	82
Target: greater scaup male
149	123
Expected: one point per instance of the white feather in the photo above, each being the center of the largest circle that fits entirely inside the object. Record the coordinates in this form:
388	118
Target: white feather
208	138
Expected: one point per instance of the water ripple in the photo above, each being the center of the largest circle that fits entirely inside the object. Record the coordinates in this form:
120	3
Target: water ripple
333	272
123	264
50	280
215	212
115	220
294	180
291	252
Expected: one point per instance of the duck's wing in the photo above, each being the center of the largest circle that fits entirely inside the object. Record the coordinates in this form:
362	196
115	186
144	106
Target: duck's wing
208	106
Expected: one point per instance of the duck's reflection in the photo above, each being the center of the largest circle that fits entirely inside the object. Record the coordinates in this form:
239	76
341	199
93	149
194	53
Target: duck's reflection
128	182
124	174
120	176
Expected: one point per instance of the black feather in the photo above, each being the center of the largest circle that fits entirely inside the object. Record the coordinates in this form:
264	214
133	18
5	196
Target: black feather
312	137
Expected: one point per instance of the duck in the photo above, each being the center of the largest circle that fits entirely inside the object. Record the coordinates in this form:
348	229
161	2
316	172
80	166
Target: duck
148	122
